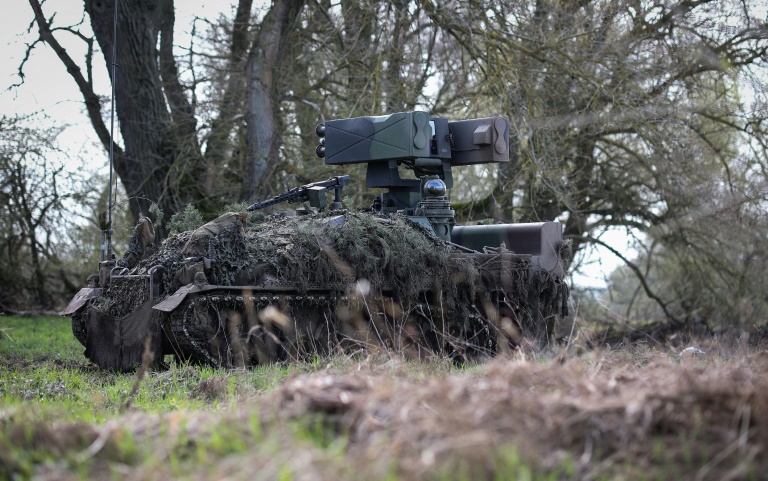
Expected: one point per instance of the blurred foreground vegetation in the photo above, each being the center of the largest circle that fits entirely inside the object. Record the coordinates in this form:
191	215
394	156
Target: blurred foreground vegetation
632	411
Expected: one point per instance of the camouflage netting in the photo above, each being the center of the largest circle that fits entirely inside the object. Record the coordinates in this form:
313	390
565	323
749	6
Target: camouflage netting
306	252
387	251
331	252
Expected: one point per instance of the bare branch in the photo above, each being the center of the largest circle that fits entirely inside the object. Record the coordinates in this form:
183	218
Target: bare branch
92	103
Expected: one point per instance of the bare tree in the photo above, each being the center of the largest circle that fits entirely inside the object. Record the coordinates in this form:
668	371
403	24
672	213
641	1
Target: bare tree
625	112
34	190
162	159
267	75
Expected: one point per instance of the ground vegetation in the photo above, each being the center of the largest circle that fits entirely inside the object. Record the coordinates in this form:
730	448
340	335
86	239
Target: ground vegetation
626	411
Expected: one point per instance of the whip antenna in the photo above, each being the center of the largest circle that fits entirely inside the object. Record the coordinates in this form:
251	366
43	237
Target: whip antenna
105	219
108	231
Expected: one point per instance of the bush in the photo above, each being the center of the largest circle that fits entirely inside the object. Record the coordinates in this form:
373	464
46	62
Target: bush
188	219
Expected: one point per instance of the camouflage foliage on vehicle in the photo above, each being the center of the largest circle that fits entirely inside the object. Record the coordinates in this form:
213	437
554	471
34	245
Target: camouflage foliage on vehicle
399	262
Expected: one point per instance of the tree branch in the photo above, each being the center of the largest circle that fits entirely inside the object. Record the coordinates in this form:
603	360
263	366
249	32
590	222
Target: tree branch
640	277
182	113
92	103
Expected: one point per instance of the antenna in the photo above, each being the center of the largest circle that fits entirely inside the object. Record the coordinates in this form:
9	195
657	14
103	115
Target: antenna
112	200
107	264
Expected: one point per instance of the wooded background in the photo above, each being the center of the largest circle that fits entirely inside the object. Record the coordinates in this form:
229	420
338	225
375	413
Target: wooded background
645	116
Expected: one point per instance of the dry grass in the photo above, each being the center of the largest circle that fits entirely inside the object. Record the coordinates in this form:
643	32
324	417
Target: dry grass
611	414
630	413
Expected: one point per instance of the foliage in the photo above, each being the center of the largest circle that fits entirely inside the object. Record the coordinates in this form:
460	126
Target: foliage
36	196
253	219
705	278
157	214
188	219
49	234
628	115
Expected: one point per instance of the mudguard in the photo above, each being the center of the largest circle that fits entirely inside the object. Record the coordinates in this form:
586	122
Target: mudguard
80	299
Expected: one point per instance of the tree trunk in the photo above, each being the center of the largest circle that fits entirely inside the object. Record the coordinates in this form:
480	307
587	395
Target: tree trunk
231	107
395	93
263	135
152	166
357	48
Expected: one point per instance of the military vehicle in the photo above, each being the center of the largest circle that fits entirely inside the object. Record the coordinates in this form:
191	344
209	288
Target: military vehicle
250	288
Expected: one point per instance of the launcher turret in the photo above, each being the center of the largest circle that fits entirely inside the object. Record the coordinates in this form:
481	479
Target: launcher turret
427	146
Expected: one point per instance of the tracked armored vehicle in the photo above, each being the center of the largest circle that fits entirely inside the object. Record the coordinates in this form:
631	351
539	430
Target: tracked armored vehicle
250	288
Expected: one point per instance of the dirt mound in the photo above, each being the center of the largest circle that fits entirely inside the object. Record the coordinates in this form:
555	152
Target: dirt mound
631	414
709	421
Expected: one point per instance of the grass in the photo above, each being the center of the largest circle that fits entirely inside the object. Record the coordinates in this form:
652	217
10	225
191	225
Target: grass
39	339
53	404
637	412
42	368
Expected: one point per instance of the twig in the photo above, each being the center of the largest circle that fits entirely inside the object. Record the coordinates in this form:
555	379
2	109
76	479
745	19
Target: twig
5	333
146	362
96	446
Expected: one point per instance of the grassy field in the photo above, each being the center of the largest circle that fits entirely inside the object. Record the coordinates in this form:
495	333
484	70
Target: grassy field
633	412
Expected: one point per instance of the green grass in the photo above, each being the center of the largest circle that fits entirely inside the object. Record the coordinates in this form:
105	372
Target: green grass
39	339
61	417
52	402
42	369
